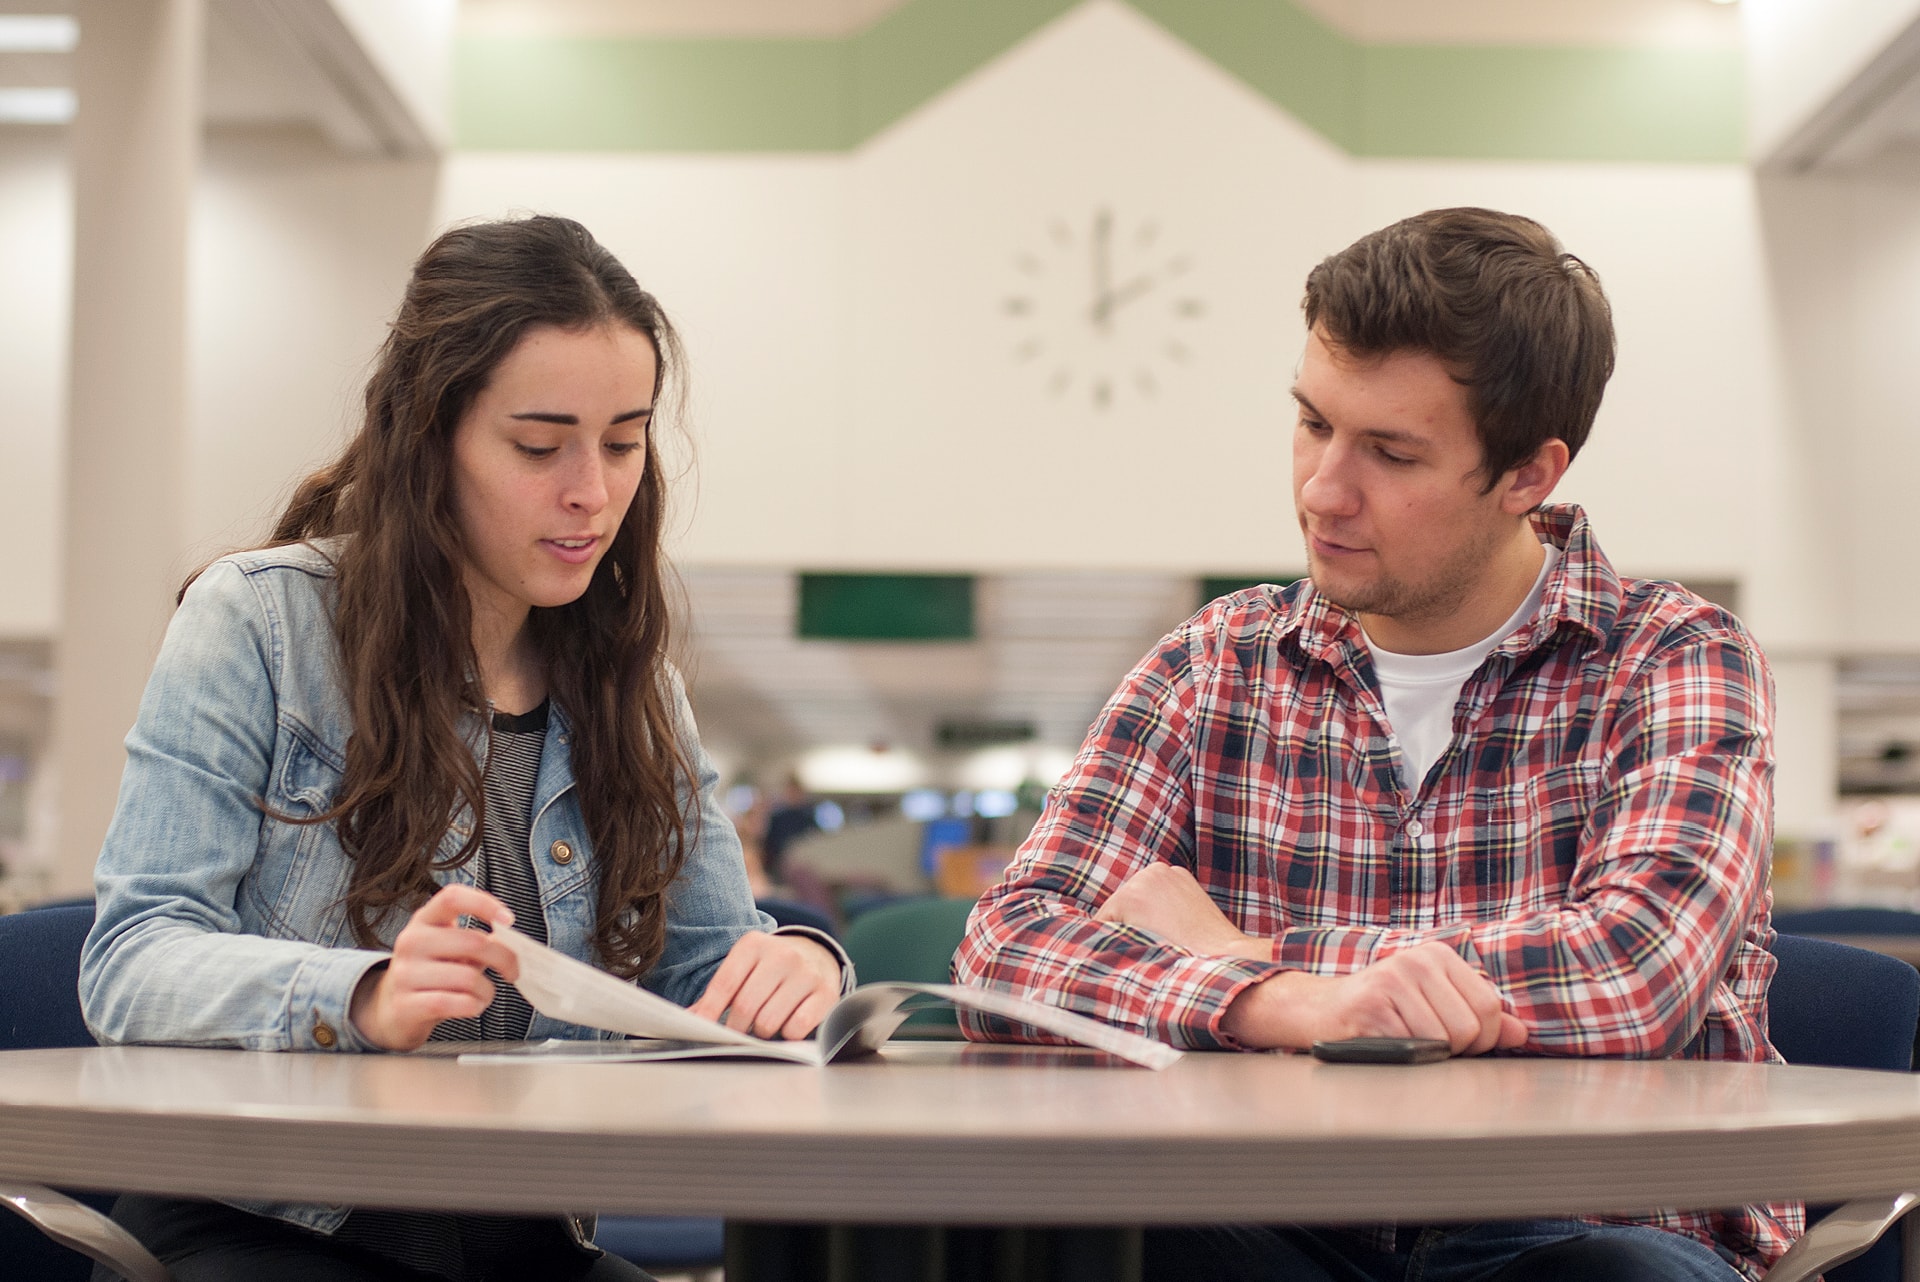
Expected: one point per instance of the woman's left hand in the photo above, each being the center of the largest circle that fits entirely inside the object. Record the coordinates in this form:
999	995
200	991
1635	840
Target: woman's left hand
773	985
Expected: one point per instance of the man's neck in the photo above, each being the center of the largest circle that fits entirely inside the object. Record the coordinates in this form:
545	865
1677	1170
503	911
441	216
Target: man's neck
1507	579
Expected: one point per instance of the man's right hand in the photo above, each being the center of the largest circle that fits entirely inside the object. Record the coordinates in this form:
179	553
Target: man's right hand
1426	991
438	970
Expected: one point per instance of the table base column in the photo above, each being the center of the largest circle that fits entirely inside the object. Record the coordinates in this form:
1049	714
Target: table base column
897	1253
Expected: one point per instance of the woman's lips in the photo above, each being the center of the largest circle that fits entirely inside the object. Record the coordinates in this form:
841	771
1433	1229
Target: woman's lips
572	551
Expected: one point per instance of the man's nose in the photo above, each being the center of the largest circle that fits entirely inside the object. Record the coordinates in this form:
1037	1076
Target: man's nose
1325	483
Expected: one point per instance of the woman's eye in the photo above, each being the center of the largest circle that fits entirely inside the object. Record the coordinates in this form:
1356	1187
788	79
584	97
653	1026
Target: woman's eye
623	448
536	451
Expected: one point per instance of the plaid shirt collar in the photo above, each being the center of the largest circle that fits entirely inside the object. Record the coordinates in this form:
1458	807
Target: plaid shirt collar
1583	596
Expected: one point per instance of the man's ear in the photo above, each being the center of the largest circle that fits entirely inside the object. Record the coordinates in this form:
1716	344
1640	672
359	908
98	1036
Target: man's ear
1527	486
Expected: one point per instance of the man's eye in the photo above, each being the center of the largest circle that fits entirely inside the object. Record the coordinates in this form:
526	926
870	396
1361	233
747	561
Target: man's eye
1313	425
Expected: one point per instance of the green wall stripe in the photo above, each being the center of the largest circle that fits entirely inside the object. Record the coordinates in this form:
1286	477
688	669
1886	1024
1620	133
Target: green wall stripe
1552	104
923	49
1514	103
1301	65
583	94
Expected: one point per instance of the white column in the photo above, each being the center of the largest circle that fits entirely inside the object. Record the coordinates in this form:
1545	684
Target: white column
135	148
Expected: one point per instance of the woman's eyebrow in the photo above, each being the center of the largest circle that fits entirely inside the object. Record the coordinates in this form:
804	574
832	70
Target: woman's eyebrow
573	420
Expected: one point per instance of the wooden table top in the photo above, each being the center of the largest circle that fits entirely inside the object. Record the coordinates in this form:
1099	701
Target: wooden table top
942	1132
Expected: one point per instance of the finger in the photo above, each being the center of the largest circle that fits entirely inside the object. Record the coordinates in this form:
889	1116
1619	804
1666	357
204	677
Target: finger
772	1016
476	948
1513	1033
807	1015
458	900
769	973
1416	1013
727	979
416	1015
442	977
1463	1002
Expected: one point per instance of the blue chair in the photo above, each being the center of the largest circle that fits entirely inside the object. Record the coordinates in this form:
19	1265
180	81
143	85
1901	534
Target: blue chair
791	912
1843	1007
1830	922
665	1243
40	1009
912	941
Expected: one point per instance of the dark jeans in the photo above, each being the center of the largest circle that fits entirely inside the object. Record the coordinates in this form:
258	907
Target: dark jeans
209	1242
1508	1251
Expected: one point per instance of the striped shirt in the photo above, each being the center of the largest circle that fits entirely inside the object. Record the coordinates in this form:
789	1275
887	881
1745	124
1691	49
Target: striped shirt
461	1248
1594	838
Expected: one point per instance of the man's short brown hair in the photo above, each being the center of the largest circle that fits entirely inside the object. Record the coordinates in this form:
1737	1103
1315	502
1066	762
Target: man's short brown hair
1521	323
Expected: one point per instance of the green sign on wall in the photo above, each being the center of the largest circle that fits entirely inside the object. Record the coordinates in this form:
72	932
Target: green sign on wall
886	607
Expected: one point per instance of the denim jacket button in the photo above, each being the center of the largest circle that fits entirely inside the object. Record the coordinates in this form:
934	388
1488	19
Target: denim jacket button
562	853
324	1037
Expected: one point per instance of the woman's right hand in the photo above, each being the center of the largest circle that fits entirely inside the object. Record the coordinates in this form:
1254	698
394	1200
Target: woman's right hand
438	970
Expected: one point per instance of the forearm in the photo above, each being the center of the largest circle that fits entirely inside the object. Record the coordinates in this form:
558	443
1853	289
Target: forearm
1033	945
163	981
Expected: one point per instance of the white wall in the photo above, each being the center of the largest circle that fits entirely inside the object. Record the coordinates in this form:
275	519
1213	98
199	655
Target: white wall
36	266
861	402
298	260
1802	54
858	395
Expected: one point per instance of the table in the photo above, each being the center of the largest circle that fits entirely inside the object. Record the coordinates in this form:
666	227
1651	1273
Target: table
956	1134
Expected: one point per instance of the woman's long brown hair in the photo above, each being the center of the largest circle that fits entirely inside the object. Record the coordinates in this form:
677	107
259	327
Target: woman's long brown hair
403	618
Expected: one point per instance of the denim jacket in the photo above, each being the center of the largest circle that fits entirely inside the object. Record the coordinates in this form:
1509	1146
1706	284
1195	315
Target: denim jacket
219	925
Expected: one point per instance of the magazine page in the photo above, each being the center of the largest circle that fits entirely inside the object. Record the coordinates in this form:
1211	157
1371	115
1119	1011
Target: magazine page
868	1017
558	986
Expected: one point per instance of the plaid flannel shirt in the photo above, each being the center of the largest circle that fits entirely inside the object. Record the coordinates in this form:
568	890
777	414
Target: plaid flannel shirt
1595	838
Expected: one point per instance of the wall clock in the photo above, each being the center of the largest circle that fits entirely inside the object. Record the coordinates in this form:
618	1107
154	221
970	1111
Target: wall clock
1102	308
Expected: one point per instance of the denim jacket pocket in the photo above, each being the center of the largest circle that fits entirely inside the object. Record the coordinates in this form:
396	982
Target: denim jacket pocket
299	880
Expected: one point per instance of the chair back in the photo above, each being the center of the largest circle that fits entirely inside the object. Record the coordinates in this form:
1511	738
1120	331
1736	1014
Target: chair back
40	958
1848	921
1842	1007
791	912
910	939
40	1009
1838	1006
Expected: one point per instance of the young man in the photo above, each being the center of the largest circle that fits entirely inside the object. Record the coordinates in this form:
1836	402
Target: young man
1463	782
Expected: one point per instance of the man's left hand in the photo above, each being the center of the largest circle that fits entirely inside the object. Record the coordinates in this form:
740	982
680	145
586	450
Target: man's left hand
1165	900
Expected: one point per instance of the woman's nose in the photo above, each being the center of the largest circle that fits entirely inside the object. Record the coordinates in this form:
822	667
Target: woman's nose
587	487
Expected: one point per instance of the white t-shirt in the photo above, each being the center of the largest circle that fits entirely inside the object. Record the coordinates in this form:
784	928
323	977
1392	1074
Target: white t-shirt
1421	690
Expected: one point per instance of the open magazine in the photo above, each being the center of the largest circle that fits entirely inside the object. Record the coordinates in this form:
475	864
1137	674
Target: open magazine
565	989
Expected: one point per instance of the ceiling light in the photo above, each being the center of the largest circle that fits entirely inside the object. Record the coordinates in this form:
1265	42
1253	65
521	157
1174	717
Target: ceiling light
38	33
36	106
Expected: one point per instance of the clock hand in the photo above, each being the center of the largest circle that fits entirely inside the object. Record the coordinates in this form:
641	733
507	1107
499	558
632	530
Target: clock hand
1128	292
1111	300
1102	265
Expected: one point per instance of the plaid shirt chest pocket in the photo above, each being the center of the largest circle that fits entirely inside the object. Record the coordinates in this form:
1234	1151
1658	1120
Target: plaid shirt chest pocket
1517	840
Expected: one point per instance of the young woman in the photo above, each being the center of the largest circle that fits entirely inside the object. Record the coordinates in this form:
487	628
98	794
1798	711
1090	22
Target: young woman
439	694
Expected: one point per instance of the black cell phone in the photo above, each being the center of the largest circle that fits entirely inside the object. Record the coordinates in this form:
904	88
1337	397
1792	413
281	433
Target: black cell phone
1382	1050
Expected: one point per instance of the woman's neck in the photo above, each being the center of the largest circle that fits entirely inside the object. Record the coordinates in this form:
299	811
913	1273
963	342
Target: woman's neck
512	674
